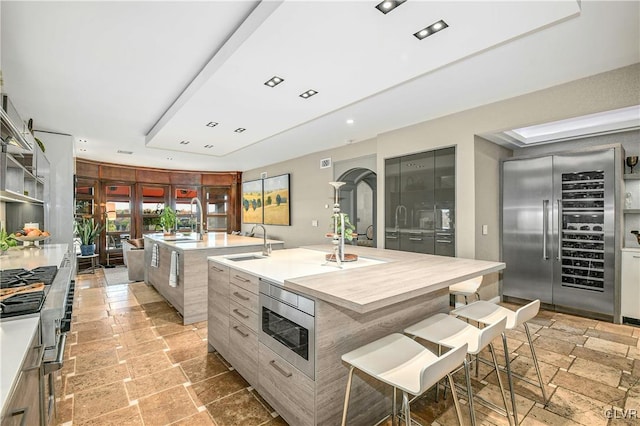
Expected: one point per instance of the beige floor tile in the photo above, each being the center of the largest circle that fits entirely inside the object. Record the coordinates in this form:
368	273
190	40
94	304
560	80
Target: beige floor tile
90	316
159	307
93	325
590	388
600	373
634	352
200	419
125	353
183	340
562	335
554	345
166	330
96	378
96	360
128	416
95	334
546	356
541	417
136	337
607	346
623	329
238	409
95	402
613	337
94	346
611	360
156	382
203	367
194	351
574	321
148	363
578	408
214	388
64	411
166	319
167	407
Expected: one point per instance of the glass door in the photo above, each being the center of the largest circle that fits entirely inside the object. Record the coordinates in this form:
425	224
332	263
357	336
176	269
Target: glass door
117	219
154	200
186	214
217	207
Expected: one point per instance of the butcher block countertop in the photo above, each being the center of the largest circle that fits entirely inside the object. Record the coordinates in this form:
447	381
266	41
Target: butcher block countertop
378	279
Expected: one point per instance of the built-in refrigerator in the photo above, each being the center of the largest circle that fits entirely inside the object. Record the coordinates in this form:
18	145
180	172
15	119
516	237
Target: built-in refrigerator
558	230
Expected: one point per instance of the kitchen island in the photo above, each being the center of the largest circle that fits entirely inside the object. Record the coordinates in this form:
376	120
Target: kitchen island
381	293
189	296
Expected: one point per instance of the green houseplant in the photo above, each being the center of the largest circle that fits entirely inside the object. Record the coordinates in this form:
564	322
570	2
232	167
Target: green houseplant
87	231
6	241
168	220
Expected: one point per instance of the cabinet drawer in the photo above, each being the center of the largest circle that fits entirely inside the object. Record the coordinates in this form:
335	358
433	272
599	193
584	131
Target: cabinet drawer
244	315
218	269
242	279
243	297
286	388
243	350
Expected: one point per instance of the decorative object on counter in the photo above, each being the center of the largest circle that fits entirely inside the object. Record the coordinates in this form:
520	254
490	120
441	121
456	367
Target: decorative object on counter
31	235
6	241
637	234
87	231
628	200
631	162
275	200
341	228
168	220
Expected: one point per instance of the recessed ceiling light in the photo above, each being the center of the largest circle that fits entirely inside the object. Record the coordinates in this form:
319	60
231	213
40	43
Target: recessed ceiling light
83	149
120	151
239	130
169	158
185	142
208	146
388	5
212	124
308	94
431	29
273	81
350	121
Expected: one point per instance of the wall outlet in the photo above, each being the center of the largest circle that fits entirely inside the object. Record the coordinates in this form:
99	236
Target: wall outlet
485	229
314	222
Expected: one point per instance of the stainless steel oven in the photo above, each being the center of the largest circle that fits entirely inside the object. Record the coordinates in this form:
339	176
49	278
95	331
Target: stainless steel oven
287	325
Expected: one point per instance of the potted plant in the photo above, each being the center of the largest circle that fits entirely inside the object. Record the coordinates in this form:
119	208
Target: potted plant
168	220
6	241
87	231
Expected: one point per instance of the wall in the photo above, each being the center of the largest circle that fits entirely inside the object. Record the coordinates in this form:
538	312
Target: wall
3	215
310	191
487	190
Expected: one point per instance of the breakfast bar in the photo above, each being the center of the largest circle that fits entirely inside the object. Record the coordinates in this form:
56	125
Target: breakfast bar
284	321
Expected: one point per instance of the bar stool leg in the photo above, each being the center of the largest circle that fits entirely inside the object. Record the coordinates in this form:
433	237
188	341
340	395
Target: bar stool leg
535	363
438	383
510	378
407	410
497	370
346	397
456	403
467	373
394	420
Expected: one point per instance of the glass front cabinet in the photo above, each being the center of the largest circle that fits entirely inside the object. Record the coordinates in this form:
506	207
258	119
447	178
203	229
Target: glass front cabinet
420	202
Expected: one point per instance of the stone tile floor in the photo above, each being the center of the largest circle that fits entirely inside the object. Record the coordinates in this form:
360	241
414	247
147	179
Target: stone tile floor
130	361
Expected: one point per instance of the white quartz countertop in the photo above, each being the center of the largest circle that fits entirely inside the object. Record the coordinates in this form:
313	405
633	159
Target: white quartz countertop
632	249
379	278
212	240
15	337
29	258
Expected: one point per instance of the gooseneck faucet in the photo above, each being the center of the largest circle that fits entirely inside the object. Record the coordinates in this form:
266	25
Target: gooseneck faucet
401	210
201	228
266	249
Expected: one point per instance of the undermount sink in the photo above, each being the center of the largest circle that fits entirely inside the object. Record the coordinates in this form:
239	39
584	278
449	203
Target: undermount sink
247	257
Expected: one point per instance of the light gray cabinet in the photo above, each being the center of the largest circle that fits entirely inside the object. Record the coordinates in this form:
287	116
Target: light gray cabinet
420	202
218	308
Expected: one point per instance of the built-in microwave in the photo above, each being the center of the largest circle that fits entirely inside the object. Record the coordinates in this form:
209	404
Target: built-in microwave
287	326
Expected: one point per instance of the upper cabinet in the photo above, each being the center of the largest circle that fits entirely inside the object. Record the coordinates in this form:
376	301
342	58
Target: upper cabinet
24	169
420	202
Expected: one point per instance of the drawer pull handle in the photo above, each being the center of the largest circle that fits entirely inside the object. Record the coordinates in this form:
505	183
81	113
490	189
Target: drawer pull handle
241	278
415	239
235	327
216	269
21	412
391	238
240	314
280	370
636	257
240	296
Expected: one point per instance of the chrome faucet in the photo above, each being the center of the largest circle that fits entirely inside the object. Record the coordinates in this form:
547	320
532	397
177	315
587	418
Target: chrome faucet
266	248
201	229
399	210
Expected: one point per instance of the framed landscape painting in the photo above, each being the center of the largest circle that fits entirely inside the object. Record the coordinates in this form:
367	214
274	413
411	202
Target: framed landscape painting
276	200
252	201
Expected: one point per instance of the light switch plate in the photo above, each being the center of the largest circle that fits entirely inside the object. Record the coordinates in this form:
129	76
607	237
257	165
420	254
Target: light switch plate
485	229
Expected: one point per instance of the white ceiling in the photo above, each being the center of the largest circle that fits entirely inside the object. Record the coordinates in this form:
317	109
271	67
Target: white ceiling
144	76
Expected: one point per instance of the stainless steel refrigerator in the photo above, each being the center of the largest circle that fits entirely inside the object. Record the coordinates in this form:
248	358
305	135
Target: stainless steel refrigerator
558	230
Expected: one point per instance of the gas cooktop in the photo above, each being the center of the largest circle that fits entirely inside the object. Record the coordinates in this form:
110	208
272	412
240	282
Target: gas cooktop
27	303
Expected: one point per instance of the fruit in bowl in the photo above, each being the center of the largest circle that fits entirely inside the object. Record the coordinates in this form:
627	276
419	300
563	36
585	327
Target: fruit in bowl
32	234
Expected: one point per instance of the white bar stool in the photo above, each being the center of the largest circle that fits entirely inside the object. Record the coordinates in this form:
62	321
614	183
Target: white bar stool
445	330
466	288
487	313
404	364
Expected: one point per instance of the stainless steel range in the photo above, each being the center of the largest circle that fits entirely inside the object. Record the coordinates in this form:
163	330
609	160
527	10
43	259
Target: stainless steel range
47	292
